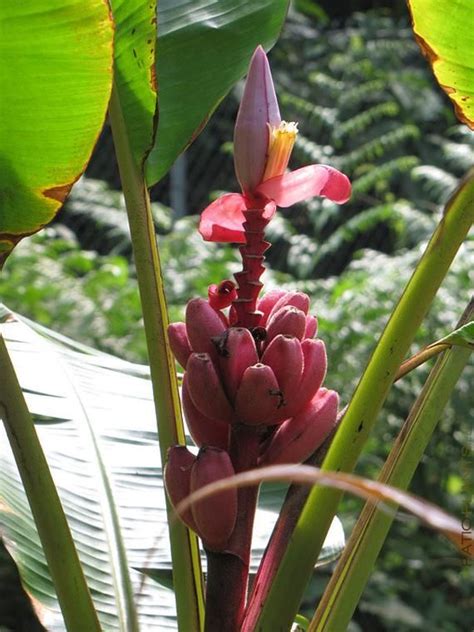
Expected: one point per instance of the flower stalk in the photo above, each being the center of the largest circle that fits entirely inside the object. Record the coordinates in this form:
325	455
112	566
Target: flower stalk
248	280
253	369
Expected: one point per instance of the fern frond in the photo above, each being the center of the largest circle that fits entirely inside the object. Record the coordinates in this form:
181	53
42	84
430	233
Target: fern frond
303	109
379	146
399	47
459	156
382	174
327	83
97	216
366	92
358	232
436	183
360	122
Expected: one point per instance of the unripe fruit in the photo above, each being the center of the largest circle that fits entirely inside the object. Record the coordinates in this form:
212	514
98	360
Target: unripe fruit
237	353
297	299
267	302
259	397
178	479
215	515
202	324
297	438
289	321
311	327
314	372
205	388
179	342
204	431
285	357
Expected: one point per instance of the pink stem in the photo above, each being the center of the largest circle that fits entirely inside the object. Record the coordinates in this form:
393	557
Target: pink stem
287	519
227	572
249	279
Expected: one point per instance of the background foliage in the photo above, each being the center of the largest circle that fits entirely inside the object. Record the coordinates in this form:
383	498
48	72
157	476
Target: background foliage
367	104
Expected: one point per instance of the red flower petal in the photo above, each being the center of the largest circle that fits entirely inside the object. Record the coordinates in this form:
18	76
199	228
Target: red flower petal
222	220
269	210
296	186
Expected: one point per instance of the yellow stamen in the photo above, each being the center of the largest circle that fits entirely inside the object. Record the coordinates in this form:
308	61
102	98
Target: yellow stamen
280	145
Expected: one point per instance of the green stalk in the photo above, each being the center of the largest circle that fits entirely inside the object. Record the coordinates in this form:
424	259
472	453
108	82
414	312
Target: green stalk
353	570
58	546
187	577
281	606
420	358
296	498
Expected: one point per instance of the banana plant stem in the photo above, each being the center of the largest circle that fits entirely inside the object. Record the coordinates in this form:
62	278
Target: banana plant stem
63	562
187	575
282	603
362	549
286	522
227	572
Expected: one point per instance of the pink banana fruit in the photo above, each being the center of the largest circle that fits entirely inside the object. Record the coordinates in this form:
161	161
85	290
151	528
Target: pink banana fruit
204	430
205	388
215	515
238	352
259	396
179	342
202	324
297	438
178	479
285	357
288	320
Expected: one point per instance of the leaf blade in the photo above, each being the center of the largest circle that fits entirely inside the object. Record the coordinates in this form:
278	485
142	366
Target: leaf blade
203	48
55	84
134	78
448	45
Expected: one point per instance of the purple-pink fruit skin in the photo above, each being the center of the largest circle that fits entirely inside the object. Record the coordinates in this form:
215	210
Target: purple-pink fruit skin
259	397
288	320
285	357
205	388
204	430
202	324
178	479
179	342
239	353
215	515
297	438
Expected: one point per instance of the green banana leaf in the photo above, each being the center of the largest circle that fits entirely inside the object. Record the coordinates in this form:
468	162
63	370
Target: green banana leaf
444	30
55	82
204	47
134	71
95	418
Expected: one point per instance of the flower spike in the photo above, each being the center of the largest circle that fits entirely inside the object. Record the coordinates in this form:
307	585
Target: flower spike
262	147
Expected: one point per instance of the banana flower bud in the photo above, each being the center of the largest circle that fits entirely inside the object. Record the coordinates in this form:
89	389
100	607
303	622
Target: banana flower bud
262	147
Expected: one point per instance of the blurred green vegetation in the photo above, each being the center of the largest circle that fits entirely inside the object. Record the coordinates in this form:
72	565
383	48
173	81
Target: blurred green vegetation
368	105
